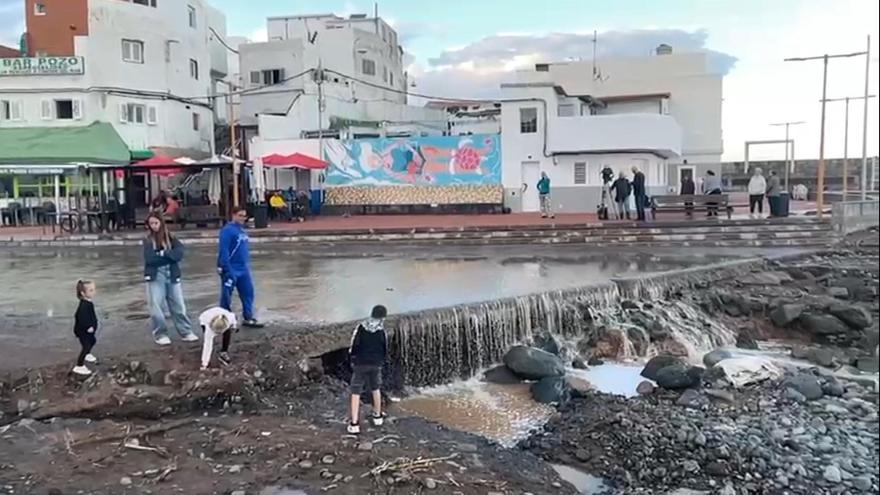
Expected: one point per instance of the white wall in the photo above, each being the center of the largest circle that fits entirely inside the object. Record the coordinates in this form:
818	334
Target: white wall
165	70
629	132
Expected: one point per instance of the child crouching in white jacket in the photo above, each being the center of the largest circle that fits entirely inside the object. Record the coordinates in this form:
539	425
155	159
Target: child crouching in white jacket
215	321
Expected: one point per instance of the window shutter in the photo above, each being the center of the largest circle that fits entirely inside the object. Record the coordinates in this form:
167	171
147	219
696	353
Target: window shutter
152	115
46	112
123	113
255	77
76	105
16	110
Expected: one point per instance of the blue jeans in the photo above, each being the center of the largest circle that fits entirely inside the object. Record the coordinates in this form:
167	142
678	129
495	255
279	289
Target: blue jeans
241	280
160	292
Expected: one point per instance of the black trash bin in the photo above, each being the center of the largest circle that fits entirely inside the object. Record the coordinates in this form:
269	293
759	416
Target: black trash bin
783	204
261	216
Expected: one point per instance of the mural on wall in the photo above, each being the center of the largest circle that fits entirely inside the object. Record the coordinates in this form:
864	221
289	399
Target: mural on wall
422	161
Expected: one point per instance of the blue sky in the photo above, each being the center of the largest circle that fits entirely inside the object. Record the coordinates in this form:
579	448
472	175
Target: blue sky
750	38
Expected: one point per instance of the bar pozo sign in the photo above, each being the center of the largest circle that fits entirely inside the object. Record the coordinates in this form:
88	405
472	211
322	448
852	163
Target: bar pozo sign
42	66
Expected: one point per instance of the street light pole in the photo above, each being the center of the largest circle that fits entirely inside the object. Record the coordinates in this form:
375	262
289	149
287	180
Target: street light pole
820	188
865	124
789	158
846	101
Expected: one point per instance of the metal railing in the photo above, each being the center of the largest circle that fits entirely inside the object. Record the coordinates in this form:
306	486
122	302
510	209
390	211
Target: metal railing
852	216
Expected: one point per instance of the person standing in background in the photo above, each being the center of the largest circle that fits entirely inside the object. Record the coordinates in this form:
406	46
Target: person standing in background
622	190
688	188
774	191
162	256
757	188
544	195
640	193
712	187
234	267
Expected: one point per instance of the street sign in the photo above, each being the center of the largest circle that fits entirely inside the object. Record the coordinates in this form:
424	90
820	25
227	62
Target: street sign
42	66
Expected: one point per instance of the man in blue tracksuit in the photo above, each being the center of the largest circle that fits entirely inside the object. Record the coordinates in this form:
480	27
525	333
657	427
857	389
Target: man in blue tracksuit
233	264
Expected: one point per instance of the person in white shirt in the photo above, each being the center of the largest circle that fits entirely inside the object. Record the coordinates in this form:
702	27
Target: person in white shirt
216	321
757	189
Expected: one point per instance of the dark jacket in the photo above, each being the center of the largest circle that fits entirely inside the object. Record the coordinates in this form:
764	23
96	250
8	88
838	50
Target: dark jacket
639	185
622	189
85	318
155	259
368	344
688	188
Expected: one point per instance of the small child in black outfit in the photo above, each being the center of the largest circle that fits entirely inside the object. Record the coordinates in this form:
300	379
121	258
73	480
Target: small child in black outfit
368	351
85	326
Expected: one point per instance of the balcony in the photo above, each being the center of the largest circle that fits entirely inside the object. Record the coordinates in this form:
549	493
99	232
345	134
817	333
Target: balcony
635	133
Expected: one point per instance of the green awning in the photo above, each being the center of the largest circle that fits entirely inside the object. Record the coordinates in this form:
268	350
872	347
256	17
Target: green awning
137	155
96	144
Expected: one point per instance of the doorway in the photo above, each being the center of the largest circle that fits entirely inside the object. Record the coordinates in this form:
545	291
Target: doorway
531	174
686	171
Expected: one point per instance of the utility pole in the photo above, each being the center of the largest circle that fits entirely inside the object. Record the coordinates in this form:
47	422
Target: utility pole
233	149
820	188
846	101
319	78
865	124
789	158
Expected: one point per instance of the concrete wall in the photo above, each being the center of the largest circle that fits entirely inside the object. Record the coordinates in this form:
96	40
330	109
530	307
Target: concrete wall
169	45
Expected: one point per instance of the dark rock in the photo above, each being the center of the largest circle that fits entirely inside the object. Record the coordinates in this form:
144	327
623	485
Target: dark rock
821	356
710	359
823	324
639	340
501	375
856	317
716	469
800	352
657	363
582	455
546	342
595	361
746	341
839	292
765	278
870	340
794	396
551	390
655	328
808	385
833	388
720	395
55	491
533	364
646	388
677	377
692	399
578	364
786	314
869	364
627	304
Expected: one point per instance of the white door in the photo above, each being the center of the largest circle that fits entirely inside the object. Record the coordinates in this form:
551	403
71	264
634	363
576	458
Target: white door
531	174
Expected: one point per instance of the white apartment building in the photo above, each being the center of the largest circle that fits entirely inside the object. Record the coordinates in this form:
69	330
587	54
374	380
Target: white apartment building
147	66
571	121
470	117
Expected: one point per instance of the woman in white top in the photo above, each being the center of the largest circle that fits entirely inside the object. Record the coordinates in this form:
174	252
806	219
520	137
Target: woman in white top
216	321
757	188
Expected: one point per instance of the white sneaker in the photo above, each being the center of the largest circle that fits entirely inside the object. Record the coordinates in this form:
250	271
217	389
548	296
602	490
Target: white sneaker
354	429
82	371
163	340
90	358
191	338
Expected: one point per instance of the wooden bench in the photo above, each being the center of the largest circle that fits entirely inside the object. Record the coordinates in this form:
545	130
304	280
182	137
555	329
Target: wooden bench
201	216
691	203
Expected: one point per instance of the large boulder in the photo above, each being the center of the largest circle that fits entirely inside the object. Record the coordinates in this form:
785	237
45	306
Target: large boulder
679	376
823	325
529	363
821	356
501	375
551	390
807	385
856	317
786	314
712	358
611	343
657	363
546	342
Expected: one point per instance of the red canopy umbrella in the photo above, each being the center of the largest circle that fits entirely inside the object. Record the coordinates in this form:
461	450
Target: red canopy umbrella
296	160
161	165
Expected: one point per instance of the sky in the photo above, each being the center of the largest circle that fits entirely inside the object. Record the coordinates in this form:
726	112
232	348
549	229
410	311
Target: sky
466	48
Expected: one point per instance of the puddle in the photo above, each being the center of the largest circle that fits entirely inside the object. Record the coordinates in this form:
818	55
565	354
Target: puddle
503	413
613	378
585	484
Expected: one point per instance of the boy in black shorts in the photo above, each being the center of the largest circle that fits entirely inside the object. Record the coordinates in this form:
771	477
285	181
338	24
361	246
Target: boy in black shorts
368	350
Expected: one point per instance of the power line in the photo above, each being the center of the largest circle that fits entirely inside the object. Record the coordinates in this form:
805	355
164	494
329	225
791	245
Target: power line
222	41
408	93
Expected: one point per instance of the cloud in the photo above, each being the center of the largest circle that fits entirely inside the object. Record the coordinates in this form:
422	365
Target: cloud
477	70
11	22
259	35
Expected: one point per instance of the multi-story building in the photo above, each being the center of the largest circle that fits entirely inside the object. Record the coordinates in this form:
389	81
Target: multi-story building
147	66
572	120
470	117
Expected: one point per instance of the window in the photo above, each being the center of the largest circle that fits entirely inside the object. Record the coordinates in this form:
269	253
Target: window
368	67
385	73
39	8
133	51
194	69
64	109
193	17
528	120
391	79
384	33
267	77
132	113
196	121
148	3
580	173
565	110
11	110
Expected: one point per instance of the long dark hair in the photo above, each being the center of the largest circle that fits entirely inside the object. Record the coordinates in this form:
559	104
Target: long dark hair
162	238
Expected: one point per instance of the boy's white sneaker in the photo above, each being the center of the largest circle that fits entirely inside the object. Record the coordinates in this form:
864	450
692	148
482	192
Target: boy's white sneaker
354	429
163	340
82	371
90	358
190	338
378	420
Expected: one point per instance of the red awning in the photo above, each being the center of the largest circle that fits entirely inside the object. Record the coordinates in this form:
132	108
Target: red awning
161	165
296	160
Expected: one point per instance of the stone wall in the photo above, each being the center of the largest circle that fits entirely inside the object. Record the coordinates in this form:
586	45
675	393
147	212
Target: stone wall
414	195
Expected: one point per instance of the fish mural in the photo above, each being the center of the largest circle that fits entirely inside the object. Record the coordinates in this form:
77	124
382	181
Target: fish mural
422	161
